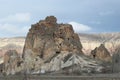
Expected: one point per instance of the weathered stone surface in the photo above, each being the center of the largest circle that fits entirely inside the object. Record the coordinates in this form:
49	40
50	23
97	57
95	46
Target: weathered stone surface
47	38
1	68
66	60
11	62
101	53
116	61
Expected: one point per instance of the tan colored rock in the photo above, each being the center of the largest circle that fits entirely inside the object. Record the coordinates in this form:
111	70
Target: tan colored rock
101	53
51	20
46	37
11	62
50	46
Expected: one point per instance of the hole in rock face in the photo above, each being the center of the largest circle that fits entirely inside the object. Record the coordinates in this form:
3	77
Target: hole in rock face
8	61
68	39
57	52
32	69
36	59
94	56
19	63
116	61
41	56
1	70
60	44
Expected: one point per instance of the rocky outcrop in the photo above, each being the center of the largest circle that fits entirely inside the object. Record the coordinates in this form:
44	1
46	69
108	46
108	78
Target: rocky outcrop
116	61
101	53
50	46
47	38
11	63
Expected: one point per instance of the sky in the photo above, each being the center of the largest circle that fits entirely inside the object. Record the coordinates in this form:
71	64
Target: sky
86	16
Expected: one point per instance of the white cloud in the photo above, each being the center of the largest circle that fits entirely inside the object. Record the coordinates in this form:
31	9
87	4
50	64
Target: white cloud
80	27
13	25
18	17
13	30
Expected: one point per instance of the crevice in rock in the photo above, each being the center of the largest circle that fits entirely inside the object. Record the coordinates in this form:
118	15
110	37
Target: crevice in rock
67	57
57	52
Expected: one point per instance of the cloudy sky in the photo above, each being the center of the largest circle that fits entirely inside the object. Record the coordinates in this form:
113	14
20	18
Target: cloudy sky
87	16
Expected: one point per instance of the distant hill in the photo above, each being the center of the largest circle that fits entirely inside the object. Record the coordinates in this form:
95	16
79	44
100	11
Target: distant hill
101	37
16	43
89	41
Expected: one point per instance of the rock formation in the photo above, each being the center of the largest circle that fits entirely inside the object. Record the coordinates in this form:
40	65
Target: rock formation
101	53
51	47
47	38
116	61
11	62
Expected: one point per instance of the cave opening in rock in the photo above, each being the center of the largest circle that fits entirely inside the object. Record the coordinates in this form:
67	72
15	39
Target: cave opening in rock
57	52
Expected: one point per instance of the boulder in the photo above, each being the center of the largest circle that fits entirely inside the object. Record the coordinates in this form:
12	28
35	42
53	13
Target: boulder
11	62
101	53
